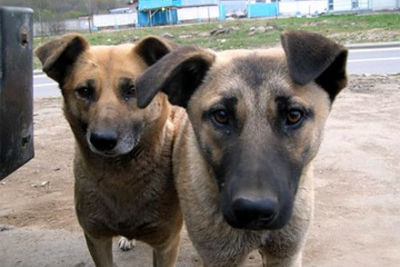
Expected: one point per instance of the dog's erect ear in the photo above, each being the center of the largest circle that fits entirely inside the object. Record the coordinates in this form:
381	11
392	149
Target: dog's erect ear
152	48
177	74
58	56
313	57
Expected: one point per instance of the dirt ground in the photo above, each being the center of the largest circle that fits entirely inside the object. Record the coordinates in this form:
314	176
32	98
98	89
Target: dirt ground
357	214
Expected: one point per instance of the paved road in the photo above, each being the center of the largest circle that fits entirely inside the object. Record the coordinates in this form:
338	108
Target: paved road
44	87
361	61
374	61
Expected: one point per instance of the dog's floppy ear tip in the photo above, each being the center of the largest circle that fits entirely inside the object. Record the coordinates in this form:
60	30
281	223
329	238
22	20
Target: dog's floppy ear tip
147	39
177	74
144	92
292	34
58	55
154	38
56	46
301	35
311	56
142	103
44	51
38	52
151	48
143	100
285	34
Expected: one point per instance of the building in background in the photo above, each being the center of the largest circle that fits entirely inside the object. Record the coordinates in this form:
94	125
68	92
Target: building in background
354	5
161	12
117	17
198	11
303	8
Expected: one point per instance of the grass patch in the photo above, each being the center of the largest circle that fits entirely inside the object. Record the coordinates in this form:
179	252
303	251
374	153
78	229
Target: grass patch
343	28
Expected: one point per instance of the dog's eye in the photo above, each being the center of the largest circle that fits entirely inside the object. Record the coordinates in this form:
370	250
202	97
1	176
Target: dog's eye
221	116
85	92
294	116
129	92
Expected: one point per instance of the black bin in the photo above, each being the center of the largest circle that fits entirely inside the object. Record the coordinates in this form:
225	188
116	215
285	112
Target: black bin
16	96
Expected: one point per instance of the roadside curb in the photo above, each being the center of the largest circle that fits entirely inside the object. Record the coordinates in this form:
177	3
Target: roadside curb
372	45
38	72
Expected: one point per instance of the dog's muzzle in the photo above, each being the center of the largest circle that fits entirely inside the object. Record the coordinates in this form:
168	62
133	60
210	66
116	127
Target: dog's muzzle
252	214
104	141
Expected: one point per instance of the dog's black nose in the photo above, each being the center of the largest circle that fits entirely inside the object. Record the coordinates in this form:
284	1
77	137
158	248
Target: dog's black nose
104	140
258	212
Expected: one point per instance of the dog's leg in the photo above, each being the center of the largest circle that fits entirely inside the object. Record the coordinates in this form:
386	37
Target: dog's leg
166	255
263	258
125	244
290	261
101	251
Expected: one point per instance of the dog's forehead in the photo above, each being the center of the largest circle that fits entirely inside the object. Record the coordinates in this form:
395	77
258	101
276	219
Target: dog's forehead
117	56
108	62
250	70
252	64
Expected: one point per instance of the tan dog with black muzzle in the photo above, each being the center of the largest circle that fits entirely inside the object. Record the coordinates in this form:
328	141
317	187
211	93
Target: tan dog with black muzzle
122	165
243	160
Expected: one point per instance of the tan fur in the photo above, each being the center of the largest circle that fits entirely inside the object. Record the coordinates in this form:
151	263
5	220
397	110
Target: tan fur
256	78
218	243
132	192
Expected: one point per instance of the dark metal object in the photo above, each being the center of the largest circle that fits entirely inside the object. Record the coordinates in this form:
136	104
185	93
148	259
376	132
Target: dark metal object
16	97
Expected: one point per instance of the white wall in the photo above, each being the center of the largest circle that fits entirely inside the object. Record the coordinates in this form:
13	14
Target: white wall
199	2
193	13
384	4
60	27
341	5
111	20
304	7
346	5
76	25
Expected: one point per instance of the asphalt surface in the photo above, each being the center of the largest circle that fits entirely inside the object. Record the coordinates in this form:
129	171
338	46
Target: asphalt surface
44	87
373	60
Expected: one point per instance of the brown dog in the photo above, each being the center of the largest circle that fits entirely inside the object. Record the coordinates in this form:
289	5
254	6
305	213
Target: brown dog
123	165
243	164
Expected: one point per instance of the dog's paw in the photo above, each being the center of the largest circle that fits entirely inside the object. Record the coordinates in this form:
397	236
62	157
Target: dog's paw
125	244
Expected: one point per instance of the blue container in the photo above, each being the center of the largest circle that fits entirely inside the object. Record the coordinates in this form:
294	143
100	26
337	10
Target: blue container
262	10
154	4
199	2
222	12
158	18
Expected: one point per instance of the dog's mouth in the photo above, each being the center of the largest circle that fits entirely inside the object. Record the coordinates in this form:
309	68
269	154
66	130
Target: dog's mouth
259	224
106	154
248	220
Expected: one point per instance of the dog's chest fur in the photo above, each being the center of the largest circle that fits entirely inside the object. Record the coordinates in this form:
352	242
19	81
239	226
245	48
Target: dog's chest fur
129	199
214	239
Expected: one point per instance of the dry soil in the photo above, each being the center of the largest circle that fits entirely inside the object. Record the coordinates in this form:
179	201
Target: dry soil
357	215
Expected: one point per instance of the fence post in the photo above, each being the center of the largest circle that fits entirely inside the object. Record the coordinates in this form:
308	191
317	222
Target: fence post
277	8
